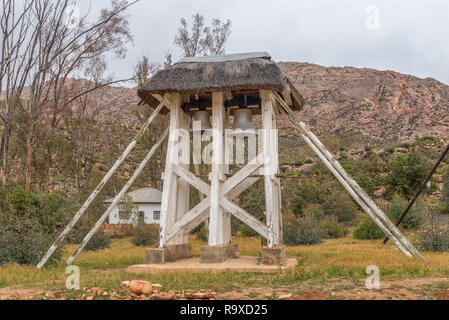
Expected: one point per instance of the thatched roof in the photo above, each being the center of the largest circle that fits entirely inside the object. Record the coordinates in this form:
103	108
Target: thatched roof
234	72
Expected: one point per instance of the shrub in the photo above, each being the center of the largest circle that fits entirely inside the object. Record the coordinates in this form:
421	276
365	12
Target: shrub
413	219
302	230
332	227
24	241
146	235
339	205
332	200
407	174
28	224
435	236
367	230
100	240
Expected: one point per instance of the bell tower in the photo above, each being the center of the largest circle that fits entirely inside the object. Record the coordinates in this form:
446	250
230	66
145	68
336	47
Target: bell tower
223	95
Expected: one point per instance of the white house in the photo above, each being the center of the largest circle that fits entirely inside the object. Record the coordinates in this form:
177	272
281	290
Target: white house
148	201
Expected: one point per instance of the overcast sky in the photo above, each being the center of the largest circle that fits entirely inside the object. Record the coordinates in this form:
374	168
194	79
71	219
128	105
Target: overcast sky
411	36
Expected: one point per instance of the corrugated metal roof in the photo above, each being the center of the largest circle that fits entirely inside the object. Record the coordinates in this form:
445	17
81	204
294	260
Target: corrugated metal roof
144	195
226	57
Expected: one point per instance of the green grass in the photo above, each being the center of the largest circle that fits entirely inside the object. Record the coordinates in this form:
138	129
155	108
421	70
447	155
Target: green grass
336	258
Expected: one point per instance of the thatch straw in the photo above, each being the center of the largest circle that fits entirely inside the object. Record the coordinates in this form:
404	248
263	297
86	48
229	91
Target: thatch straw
239	73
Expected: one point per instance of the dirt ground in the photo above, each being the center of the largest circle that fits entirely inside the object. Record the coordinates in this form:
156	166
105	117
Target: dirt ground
335	289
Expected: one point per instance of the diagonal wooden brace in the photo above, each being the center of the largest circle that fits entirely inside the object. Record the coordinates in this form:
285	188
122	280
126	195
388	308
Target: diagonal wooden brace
238	183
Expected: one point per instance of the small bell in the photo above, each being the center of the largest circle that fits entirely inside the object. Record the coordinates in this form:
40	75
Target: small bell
203	117
243	121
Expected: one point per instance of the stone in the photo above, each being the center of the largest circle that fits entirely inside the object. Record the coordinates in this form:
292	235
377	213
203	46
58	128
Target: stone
274	256
124	283
169	253
218	254
285	296
155	255
140	287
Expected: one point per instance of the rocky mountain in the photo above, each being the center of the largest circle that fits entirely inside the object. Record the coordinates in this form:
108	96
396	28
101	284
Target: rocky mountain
382	106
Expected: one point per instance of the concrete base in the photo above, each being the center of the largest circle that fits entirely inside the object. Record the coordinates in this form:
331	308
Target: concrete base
169	253
274	256
194	265
218	254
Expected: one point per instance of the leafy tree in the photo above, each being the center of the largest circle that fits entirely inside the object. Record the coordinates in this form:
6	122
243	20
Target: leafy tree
408	171
367	230
414	217
307	193
368	172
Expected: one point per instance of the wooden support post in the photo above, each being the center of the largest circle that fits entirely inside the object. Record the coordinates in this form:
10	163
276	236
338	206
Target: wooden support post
170	211
183	188
271	169
220	221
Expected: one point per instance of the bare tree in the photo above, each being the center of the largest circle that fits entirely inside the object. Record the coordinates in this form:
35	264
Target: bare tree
217	36
201	39
53	52
14	28
144	70
168	60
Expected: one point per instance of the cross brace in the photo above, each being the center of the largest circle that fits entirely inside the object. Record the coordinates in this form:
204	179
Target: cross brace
229	189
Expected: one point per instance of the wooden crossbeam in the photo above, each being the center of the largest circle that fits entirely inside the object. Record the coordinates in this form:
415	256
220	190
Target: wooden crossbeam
244	216
193	180
231	187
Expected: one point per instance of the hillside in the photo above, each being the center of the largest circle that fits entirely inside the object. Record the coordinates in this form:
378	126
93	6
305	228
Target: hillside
375	106
383	106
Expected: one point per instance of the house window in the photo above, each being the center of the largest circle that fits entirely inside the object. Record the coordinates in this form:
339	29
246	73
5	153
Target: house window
156	215
123	215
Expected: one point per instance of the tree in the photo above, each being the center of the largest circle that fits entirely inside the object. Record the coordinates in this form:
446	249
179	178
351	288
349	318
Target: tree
407	174
144	70
201	39
49	54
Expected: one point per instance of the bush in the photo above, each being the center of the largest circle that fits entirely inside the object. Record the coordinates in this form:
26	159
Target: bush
29	221
413	219
146	235
100	240
302	230
332	227
24	241
339	205
332	200
435	236
367	230
407	174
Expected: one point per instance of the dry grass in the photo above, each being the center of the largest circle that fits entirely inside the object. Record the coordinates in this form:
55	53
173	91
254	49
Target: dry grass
338	258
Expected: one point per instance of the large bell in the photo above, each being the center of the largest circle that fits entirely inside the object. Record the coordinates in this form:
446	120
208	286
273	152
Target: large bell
203	117
243	121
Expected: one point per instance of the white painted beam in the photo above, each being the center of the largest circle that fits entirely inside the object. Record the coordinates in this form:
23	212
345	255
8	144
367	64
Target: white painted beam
98	188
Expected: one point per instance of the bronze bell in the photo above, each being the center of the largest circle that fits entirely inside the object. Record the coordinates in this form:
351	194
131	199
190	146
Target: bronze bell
203	117
243	121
